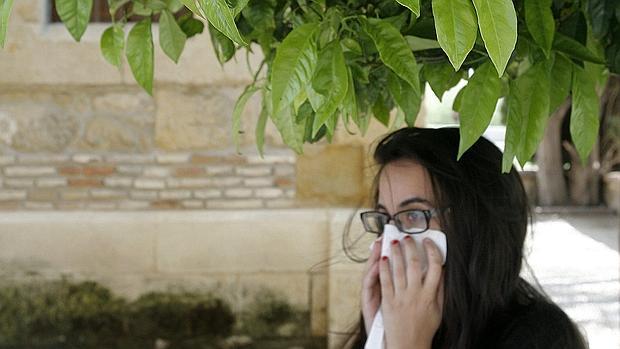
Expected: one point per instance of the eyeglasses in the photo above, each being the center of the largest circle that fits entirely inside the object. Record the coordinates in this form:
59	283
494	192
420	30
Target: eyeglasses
407	221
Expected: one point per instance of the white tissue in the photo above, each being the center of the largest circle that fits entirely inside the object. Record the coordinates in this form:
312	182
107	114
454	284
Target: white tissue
376	339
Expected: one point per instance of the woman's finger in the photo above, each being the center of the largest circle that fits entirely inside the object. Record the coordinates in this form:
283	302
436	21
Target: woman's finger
414	263
398	265
385	276
433	275
372	276
375	253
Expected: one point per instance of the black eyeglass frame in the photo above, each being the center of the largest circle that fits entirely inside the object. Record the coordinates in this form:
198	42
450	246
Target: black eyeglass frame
428	215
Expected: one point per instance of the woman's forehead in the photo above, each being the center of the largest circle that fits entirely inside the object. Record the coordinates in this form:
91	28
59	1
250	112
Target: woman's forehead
402	180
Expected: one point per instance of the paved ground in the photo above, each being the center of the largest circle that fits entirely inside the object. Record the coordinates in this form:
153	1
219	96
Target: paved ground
577	261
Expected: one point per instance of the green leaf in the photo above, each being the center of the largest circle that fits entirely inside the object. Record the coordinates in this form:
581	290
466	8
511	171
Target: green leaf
575	49
191	26
113	44
171	37
540	23
562	73
220	16
139	54
394	50
412	5
292	132
261	124
528	112
441	77
75	14
192	5
420	44
174	6
331	80
293	66
224	47
381	110
5	11
352	45
238	110
457	26
497	21
477	105
141	9
349	108
405	97
584	119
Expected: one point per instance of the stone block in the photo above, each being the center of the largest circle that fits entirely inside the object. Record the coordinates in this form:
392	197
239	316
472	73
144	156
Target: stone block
173	158
612	190
331	174
240	241
207	194
78	242
175	194
188	119
9	195
105	133
188	182
234	204
253	171
268	193
52	182
258	182
149	183
33	126
119	182
238	193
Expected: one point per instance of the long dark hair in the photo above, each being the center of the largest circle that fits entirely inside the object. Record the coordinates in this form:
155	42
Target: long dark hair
485	227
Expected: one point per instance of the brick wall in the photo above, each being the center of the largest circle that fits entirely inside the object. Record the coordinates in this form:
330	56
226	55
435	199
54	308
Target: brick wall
182	180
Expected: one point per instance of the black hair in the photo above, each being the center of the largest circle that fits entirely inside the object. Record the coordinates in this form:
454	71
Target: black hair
485	228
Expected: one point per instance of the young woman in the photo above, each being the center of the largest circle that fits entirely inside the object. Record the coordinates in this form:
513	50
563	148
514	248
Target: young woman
477	299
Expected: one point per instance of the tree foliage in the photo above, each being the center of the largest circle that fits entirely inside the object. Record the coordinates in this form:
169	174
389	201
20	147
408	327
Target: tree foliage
331	61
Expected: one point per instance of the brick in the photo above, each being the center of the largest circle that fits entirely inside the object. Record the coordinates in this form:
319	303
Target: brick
8	195
156	171
188	182
118	182
18	183
192	204
133	205
281	203
166	204
101	205
74	195
51	182
235	204
149	183
253	170
281	170
258	182
175	194
129	169
288	158
10	205
226	181
85	182
290	193
27	171
108	194
38	205
284	182
71	205
173	158
92	171
268	193
130	158
207	194
219	170
42	195
42	158
86	158
218	159
70	170
7	160
189	172
143	195
238	193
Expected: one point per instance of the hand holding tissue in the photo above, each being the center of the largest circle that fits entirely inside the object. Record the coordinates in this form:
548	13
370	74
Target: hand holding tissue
376	336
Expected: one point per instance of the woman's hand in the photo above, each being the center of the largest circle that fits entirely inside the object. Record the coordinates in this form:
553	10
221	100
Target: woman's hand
411	303
371	289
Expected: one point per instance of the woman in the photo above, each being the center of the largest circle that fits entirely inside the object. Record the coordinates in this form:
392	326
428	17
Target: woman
478	299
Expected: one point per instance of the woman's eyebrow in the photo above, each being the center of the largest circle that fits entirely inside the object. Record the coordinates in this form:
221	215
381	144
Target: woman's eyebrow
414	200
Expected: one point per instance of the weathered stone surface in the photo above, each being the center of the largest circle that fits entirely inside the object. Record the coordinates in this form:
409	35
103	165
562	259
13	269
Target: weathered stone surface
37	127
126	101
189	120
106	133
612	190
331	174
